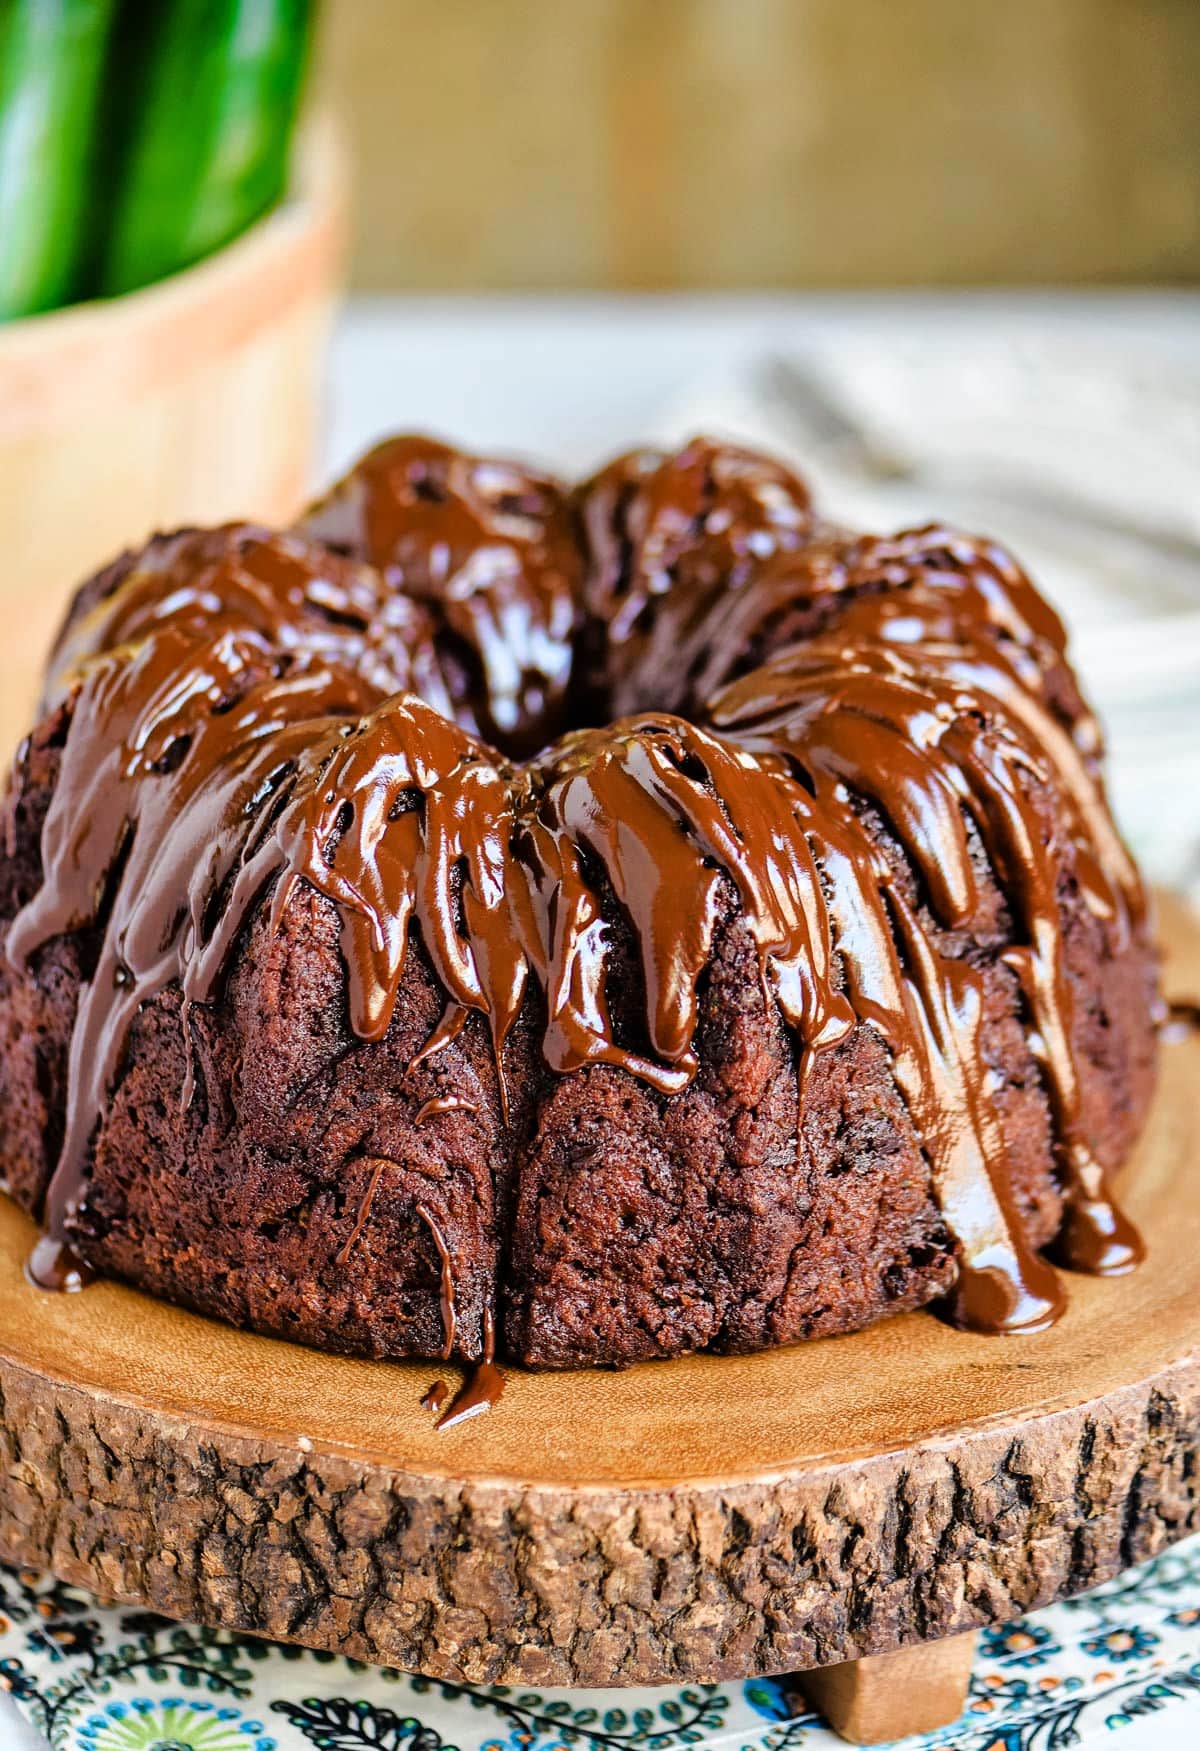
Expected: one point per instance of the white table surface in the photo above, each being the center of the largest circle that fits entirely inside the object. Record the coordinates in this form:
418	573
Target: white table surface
570	380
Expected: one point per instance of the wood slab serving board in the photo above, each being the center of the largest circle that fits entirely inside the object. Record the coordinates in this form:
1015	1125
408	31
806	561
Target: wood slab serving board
703	1519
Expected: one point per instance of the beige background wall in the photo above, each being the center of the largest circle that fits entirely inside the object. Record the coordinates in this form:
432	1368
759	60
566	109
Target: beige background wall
747	142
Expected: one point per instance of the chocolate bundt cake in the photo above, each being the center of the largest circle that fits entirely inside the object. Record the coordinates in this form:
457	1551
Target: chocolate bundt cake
583	926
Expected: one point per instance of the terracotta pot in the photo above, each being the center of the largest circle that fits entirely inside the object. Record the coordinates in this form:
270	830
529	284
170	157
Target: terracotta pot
193	400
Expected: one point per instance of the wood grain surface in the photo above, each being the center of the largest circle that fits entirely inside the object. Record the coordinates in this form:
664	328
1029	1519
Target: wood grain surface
708	1518
889	1696
727	143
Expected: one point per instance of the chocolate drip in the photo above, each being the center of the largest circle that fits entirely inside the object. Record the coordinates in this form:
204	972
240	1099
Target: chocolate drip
364	1211
249	713
933	710
449	1308
55	1266
1178	1021
443	1103
670	813
482	1389
434	1400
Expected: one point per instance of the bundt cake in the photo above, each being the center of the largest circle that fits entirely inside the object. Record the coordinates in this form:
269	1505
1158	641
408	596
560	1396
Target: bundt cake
578	926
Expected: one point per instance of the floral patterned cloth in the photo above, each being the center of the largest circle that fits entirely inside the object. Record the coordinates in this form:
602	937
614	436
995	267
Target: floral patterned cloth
1120	1666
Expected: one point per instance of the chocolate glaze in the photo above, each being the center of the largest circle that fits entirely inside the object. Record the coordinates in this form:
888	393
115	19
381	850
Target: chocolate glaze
668	538
489	549
299	598
249	712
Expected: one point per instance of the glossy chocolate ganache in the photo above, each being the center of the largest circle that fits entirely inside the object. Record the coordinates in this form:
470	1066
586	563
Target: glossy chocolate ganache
761	867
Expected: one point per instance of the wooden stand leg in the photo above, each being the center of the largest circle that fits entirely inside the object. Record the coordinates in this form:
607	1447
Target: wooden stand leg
888	1696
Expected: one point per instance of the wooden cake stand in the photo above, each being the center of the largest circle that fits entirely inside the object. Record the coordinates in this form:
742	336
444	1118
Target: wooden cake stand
841	1508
